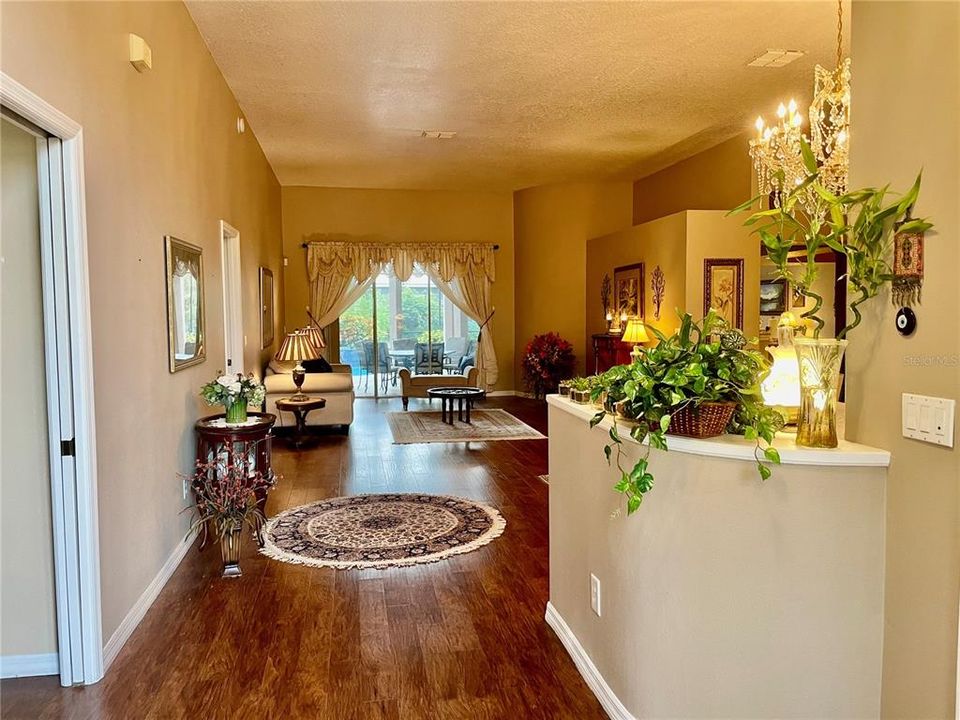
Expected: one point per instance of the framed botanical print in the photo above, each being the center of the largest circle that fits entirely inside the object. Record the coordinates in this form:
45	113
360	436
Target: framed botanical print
628	292
267	307
185	308
773	296
723	289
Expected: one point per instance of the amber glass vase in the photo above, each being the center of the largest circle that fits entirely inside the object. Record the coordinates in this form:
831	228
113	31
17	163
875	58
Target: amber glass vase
819	362
230	543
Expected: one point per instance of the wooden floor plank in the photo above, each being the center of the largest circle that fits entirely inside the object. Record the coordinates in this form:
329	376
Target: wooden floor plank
463	638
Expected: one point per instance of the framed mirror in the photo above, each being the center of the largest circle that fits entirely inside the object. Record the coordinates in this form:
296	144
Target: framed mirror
266	308
185	310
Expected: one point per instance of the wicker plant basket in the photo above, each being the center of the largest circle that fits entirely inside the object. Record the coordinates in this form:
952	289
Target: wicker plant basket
708	419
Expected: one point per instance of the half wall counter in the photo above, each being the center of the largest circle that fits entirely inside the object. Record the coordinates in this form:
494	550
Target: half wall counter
723	595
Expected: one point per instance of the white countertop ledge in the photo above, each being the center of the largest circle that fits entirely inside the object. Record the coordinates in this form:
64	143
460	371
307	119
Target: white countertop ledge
735	447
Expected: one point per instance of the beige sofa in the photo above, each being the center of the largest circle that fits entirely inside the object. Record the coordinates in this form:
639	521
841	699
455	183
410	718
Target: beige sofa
417	385
335	387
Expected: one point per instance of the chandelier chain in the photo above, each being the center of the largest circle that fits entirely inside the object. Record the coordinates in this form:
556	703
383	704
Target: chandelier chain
839	33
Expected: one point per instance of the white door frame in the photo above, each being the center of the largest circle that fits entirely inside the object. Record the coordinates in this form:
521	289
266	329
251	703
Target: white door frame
232	306
74	495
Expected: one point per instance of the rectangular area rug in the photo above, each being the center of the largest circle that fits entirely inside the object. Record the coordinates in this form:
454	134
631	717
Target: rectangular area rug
426	427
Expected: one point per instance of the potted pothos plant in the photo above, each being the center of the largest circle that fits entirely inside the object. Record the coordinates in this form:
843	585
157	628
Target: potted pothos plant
858	224
677	387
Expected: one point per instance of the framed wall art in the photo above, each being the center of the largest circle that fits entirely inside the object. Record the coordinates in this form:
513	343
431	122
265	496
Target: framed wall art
267	308
723	289
628	292
773	296
185	308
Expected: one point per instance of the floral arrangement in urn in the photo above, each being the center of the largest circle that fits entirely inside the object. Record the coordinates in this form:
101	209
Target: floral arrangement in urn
547	360
226	493
235	392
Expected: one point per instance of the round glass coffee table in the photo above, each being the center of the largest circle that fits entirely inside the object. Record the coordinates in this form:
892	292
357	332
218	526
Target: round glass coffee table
463	396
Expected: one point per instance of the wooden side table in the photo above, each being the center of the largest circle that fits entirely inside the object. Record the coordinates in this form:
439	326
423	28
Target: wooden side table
252	440
300	410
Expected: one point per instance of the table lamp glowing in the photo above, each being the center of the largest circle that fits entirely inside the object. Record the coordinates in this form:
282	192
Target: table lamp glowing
298	346
781	388
635	333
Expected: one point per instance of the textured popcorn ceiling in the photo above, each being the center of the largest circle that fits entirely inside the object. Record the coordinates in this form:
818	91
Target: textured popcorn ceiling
338	93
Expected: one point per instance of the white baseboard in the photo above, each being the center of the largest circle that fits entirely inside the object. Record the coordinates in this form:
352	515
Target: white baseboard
608	699
143	603
21	666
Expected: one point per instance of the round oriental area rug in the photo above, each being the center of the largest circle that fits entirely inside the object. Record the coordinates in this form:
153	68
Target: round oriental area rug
380	531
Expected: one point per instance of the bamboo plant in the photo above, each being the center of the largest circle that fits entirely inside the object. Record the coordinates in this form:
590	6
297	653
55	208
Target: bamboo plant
859	224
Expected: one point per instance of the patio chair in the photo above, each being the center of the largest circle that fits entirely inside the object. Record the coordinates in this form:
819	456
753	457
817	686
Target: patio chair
428	358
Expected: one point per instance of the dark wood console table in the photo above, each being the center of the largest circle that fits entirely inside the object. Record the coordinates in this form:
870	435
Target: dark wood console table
252	440
608	350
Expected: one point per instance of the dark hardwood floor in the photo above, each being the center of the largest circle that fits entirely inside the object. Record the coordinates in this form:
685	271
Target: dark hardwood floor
461	638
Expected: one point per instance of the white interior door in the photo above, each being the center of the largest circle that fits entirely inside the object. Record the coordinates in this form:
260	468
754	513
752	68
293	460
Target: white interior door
69	557
232	299
69	378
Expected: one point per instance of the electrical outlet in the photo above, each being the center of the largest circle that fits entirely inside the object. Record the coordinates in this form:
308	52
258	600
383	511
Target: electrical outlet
595	594
186	488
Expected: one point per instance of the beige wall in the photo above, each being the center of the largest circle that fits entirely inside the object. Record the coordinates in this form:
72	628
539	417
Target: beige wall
552	224
711	234
162	156
27	600
906	64
678	243
404	216
723	596
715	179
660	242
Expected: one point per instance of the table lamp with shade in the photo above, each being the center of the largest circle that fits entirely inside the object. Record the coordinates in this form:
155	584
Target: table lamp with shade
297	346
316	337
634	334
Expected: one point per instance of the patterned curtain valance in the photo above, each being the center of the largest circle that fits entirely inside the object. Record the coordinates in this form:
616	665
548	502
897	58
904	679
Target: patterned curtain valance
362	259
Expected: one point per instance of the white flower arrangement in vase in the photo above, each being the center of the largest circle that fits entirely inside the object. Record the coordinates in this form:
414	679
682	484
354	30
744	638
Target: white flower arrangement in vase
235	392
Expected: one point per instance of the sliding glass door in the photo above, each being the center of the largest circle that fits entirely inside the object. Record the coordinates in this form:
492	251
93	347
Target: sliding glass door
407	324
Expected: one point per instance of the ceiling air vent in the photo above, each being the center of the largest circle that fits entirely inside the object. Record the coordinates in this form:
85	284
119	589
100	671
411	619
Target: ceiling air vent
438	134
775	58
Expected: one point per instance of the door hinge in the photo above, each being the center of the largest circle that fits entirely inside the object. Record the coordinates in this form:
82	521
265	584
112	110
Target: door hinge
68	448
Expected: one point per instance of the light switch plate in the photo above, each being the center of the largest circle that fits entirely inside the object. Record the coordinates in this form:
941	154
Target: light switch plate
928	419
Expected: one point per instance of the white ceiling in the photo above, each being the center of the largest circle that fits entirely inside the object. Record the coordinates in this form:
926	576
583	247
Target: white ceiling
338	93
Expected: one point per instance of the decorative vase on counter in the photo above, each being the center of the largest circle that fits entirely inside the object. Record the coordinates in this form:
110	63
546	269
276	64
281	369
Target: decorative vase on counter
237	412
819	362
230	543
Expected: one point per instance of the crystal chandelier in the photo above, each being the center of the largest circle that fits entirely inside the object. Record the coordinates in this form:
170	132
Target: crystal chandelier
777	150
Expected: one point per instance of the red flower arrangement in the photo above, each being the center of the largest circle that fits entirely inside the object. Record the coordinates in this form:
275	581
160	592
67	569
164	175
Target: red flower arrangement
225	492
547	360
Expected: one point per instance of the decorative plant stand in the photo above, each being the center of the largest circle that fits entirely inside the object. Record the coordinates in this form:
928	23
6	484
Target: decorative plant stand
252	440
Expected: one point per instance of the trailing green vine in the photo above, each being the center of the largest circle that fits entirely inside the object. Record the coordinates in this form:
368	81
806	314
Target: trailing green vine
707	362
